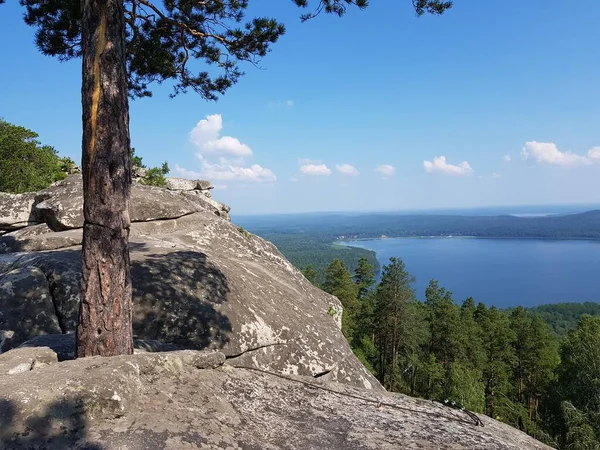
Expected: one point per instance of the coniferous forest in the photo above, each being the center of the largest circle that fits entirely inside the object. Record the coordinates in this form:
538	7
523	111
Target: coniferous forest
538	375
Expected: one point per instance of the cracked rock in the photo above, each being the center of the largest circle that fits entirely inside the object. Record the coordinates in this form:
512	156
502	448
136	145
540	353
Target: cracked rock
26	307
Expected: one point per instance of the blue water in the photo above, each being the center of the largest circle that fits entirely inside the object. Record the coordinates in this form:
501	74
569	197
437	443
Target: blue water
500	272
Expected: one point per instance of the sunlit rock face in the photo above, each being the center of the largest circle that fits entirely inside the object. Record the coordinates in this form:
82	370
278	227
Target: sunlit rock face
199	282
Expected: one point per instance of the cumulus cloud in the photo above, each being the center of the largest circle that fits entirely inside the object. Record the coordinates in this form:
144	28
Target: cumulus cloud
253	173
346	169
315	169
206	138
228	172
497	176
548	153
507	158
222	158
440	165
386	170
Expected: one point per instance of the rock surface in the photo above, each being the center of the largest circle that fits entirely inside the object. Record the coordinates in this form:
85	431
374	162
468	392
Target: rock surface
191	400
26	306
198	282
16	210
61	205
183	184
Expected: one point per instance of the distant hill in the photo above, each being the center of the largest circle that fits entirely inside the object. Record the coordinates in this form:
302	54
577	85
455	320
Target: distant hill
584	225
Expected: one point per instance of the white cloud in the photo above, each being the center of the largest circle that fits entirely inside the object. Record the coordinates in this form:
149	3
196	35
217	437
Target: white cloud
507	158
548	153
222	157
315	169
289	103
205	137
594	154
228	172
497	176
346	169
254	173
440	165
386	170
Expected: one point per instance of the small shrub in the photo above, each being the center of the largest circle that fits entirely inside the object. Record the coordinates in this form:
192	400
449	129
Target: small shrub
156	176
243	231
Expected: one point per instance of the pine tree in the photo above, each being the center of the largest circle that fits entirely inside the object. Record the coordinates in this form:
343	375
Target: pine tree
536	358
338	282
498	341
444	323
393	320
364	276
471	336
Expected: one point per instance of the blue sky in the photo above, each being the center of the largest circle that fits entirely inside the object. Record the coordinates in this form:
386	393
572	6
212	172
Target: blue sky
494	103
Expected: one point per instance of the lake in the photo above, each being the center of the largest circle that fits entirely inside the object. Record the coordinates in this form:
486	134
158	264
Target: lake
500	272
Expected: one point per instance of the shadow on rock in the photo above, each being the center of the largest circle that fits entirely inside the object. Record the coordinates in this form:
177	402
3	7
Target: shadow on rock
177	296
59	426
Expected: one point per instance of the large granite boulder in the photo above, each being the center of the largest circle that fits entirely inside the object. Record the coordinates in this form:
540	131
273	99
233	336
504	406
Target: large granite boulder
198	282
197	400
61	205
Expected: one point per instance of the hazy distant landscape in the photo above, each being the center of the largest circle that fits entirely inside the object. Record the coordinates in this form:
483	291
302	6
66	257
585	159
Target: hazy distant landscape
311	239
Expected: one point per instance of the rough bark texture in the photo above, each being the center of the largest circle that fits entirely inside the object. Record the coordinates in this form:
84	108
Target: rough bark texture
105	318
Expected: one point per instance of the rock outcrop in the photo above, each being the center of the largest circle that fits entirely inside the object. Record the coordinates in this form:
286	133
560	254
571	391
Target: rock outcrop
199	400
198	281
60	207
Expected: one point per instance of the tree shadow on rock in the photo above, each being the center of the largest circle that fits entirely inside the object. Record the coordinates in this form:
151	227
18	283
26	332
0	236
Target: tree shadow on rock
177	296
8	244
60	425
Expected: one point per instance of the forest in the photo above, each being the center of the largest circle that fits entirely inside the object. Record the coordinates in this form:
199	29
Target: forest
535	369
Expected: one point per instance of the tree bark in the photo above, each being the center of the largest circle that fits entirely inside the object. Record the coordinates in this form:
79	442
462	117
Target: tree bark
105	315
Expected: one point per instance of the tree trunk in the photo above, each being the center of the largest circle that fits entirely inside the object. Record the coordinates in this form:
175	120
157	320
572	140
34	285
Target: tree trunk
105	315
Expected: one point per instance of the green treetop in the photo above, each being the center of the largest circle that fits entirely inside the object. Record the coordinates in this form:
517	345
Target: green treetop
364	276
25	164
338	282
